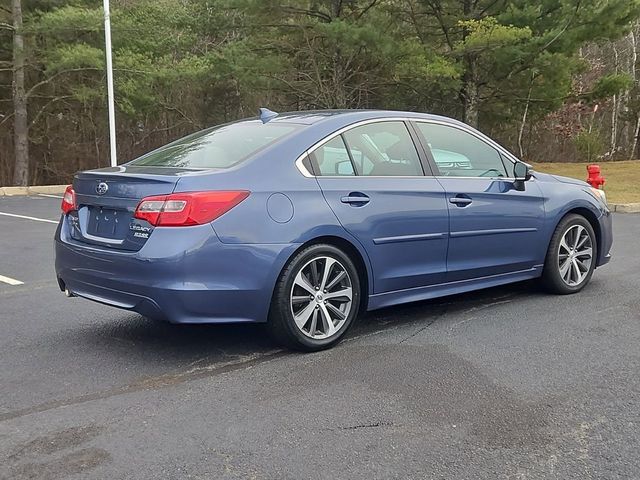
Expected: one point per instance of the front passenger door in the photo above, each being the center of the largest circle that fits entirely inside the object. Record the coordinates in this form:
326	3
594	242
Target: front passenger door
495	228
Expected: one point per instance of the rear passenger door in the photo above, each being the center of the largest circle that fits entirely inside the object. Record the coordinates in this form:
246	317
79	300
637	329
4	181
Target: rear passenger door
374	181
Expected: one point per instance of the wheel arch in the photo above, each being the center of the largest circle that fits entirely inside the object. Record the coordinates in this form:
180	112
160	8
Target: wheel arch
358	257
591	217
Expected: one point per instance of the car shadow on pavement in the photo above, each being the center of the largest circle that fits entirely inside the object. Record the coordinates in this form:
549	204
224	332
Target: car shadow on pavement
178	343
428	311
146	340
141	354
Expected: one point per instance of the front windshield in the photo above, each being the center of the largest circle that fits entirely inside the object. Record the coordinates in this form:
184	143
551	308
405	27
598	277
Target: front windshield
218	147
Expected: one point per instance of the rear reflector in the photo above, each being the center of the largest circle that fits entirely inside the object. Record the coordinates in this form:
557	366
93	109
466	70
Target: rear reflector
68	200
189	208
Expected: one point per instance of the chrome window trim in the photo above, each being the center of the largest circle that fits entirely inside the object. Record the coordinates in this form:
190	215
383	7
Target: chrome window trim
480	136
302	168
382	176
331	136
506	179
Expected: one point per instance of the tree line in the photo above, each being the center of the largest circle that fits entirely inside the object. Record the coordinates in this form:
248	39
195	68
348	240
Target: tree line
553	80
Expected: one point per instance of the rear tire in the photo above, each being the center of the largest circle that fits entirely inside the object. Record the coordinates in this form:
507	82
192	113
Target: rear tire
571	257
316	299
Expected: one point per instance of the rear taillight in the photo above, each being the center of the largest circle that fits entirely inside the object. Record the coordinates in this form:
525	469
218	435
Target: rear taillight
189	208
68	200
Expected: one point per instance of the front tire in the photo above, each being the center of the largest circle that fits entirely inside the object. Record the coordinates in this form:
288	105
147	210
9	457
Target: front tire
571	257
316	299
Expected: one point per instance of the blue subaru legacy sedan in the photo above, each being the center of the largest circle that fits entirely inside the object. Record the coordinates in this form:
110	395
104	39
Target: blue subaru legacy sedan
302	220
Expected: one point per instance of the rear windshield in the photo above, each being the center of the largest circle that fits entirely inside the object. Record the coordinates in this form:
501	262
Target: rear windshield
218	147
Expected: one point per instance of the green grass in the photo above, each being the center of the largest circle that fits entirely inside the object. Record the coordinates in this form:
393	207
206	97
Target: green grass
622	179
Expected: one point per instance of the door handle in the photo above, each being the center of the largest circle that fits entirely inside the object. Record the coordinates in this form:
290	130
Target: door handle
355	198
460	201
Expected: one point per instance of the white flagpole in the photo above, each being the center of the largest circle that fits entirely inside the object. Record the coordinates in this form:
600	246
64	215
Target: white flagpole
112	113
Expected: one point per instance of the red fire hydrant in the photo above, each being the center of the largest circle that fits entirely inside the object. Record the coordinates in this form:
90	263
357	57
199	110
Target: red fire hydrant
595	179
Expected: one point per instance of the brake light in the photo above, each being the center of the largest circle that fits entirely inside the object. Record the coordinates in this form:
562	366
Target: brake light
189	208
68	200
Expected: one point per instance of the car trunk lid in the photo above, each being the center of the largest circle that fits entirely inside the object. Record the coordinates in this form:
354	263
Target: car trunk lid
106	200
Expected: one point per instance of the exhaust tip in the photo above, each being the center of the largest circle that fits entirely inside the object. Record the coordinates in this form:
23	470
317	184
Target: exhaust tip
63	288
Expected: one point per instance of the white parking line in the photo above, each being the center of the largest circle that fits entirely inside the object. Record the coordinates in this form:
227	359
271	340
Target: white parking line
29	218
10	281
49	195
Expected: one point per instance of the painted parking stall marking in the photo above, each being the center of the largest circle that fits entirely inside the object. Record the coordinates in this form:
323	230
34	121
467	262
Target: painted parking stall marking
10	281
26	217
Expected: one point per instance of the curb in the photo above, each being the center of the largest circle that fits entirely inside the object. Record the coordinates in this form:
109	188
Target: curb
625	207
47	189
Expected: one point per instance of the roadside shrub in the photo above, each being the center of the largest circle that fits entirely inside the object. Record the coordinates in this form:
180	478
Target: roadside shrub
590	144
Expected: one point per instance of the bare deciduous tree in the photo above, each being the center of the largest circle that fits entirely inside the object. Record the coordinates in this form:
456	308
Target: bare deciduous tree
20	120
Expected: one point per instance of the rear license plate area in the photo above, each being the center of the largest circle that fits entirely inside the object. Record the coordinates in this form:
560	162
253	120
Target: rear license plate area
108	222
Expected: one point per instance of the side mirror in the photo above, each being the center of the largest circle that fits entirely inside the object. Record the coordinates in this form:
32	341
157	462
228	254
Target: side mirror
522	172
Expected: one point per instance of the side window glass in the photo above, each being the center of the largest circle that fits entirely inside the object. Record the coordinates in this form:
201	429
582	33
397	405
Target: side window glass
460	154
383	149
332	159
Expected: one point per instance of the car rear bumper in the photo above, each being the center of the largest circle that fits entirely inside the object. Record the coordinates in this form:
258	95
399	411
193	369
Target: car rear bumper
182	275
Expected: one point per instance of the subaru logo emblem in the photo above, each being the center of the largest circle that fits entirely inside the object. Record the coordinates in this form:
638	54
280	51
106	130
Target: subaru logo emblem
102	188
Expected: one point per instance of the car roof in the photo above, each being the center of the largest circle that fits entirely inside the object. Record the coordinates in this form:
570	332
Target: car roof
322	123
310	117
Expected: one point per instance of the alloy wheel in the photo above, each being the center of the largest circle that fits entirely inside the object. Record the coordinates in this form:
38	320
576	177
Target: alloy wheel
321	297
575	255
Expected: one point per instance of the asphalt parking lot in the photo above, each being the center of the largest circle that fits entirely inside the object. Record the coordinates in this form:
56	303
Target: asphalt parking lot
504	383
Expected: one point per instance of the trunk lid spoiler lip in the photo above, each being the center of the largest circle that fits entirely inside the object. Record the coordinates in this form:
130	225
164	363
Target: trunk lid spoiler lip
132	171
